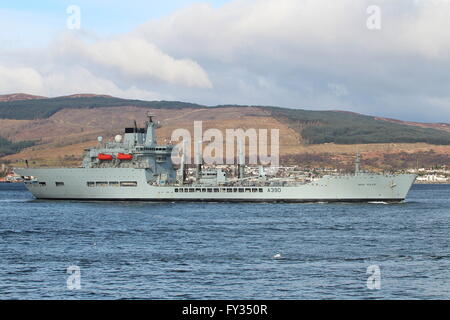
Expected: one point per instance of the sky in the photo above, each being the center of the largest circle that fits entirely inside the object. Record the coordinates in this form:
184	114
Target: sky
379	57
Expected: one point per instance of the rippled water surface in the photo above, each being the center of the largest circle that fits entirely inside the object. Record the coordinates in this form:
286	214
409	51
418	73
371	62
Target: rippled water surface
224	251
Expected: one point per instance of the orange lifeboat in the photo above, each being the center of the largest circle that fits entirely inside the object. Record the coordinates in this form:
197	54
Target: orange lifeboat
124	156
104	157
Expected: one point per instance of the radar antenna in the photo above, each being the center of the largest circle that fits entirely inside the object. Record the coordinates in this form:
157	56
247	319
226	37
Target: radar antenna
150	116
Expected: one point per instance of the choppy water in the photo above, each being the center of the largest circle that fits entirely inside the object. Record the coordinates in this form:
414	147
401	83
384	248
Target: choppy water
224	251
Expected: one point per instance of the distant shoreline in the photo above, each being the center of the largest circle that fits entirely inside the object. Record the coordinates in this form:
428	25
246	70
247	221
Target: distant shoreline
431	182
416	182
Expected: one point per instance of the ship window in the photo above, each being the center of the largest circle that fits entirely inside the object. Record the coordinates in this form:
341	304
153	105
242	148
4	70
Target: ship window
241	189
216	190
254	190
101	184
176	190
248	190
223	190
229	190
59	184
204	190
198	190
209	190
42	184
191	189
260	189
90	184
128	184
235	189
114	184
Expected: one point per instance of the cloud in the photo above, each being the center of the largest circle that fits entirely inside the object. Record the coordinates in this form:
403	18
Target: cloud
316	54
124	66
80	80
66	81
20	79
319	52
133	58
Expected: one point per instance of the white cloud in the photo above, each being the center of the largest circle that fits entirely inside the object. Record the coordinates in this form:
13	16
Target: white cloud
67	81
297	53
133	58
312	47
20	79
80	80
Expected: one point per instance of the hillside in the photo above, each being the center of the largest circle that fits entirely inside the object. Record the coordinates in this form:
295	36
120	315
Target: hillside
45	108
58	129
8	147
339	127
315	127
19	96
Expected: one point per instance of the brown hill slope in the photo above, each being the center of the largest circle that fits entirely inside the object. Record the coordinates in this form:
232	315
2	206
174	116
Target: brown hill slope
438	126
63	136
19	96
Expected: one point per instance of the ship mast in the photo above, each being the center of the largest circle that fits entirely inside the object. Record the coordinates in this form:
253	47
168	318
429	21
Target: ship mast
150	136
241	160
198	160
357	163
183	163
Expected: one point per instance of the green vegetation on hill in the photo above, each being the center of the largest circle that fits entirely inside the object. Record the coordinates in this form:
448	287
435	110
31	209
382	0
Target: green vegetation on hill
8	147
44	108
315	127
351	128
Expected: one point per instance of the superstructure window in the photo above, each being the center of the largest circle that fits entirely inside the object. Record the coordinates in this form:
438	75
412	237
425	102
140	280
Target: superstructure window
42	184
59	184
101	184
128	184
114	184
90	184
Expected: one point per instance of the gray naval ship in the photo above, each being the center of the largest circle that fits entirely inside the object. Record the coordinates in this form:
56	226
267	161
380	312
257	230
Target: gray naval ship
135	167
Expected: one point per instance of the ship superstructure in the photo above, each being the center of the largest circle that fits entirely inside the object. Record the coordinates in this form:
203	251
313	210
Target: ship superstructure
135	167
136	149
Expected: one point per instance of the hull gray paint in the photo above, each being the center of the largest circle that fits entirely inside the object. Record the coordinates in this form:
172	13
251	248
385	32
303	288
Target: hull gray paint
362	187
233	200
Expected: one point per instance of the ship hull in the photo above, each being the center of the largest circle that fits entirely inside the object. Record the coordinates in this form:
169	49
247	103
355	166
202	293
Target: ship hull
128	184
